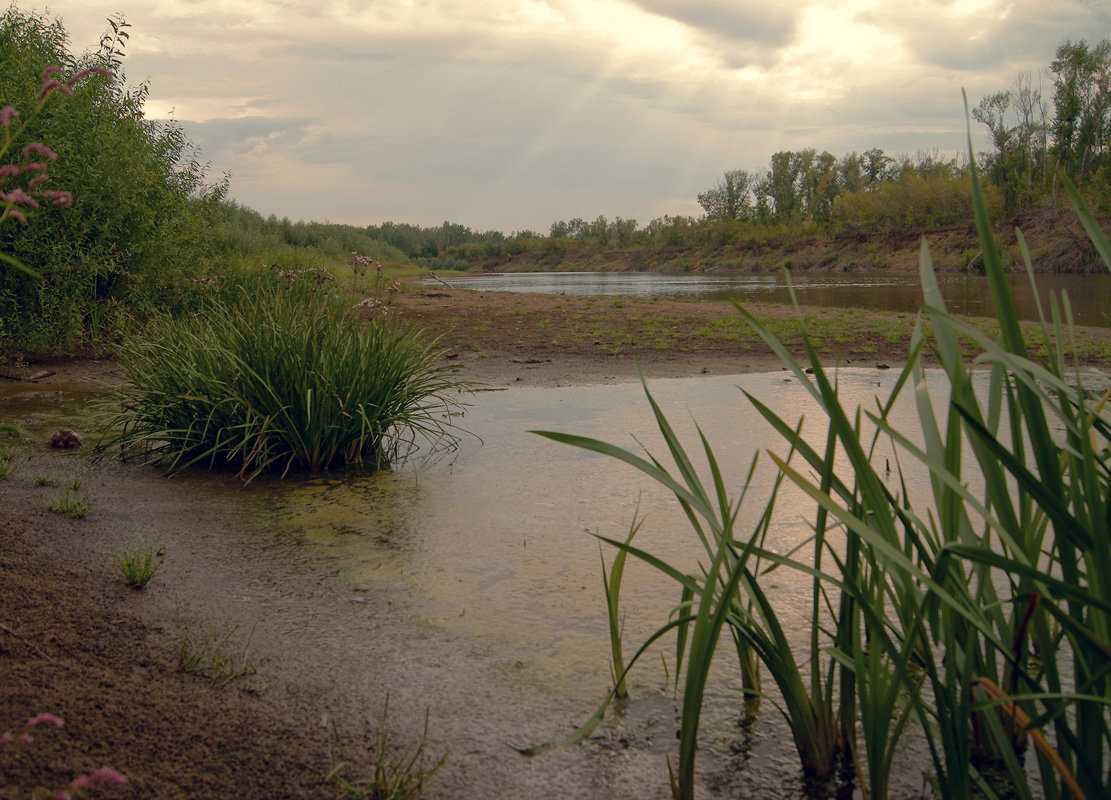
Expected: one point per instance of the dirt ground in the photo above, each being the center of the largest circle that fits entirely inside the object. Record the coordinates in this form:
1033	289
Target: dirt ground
75	642
503	338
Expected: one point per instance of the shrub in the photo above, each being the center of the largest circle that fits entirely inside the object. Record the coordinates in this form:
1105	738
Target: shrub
277	374
138	219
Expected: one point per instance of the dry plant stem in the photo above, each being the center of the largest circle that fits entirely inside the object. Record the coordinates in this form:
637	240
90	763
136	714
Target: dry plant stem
26	641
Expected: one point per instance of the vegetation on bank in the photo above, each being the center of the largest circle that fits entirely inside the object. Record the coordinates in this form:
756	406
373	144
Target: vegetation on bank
277	373
982	620
143	225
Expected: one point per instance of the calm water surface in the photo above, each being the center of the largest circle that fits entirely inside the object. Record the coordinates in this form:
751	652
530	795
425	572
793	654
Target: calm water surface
1090	295
494	542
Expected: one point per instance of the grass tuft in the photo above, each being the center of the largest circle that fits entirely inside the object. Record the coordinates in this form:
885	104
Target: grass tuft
76	507
278	376
393	778
207	656
138	566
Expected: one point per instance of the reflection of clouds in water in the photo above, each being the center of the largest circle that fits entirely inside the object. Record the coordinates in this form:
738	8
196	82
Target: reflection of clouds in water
498	542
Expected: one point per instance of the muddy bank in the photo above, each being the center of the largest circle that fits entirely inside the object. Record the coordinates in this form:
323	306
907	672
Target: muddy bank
77	643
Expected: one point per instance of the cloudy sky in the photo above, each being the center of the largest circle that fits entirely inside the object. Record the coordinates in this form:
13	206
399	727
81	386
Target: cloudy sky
511	114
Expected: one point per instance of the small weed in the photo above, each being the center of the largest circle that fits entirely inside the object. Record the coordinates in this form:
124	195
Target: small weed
45	480
7	453
206	657
393	779
10	430
138	566
76	485
5	469
76	507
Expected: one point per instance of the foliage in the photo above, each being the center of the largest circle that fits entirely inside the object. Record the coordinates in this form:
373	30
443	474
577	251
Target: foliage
139	216
275	374
985	618
137	567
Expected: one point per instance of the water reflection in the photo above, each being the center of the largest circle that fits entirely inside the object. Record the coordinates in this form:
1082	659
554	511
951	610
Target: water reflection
494	543
1090	295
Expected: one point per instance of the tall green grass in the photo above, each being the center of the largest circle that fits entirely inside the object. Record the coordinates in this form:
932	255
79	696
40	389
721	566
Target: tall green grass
276	374
982	617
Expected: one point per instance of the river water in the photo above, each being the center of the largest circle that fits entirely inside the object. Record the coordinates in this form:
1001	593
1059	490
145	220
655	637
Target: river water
1089	295
495	542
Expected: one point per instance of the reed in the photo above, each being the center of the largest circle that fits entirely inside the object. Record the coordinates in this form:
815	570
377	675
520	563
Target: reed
983	616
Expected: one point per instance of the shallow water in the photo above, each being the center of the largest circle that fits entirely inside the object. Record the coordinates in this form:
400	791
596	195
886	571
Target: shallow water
1090	295
494	543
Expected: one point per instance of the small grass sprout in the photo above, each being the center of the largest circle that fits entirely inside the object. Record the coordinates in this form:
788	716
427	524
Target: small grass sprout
393	779
138	566
207	656
45	480
6	469
76	507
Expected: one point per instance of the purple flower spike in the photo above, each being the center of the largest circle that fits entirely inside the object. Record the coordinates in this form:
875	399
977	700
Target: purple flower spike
64	199
37	181
107	774
8	170
51	70
50	719
6	114
50	86
17	215
19	196
41	149
80	76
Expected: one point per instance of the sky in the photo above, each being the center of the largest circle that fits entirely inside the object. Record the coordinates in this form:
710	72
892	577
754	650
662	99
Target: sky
512	114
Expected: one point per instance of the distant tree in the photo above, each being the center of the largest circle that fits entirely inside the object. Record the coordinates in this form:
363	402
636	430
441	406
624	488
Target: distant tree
1082	103
730	197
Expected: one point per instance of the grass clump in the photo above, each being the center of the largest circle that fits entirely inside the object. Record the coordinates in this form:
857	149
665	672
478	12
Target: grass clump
76	507
45	480
138	566
277	374
207	656
393	779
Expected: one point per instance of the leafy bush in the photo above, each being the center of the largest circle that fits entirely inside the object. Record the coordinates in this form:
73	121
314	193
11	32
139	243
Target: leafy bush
277	374
138	220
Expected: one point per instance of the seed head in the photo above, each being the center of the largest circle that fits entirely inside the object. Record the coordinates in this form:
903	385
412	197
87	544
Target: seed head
6	114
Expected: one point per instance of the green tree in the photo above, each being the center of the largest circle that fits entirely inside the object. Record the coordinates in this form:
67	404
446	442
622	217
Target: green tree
1082	103
730	197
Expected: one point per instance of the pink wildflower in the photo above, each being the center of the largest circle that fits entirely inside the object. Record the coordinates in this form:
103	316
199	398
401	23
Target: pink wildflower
107	774
41	149
8	170
80	76
50	719
5	737
59	198
25	738
19	196
15	214
50	86
34	166
80	782
6	114
51	70
62	794
37	181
